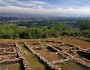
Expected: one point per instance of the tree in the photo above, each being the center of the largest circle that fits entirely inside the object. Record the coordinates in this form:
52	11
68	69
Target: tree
84	26
50	33
36	33
70	32
58	26
25	33
6	31
9	31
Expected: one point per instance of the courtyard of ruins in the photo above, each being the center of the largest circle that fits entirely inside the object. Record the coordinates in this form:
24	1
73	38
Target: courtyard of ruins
44	54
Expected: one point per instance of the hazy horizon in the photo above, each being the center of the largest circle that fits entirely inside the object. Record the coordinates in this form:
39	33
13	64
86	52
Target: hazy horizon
53	7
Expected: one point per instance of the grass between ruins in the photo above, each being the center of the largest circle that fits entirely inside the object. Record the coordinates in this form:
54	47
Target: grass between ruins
35	64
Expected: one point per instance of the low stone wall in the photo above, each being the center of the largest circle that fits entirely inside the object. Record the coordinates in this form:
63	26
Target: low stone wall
9	61
59	61
78	48
52	67
7	53
62	43
82	62
63	52
68	56
25	63
85	50
53	48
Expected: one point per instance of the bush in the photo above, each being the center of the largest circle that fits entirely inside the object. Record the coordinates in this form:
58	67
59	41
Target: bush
36	33
57	26
50	33
26	34
89	34
70	32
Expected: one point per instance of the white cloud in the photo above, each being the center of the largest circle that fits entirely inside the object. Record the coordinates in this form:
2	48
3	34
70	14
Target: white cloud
41	10
41	7
39	2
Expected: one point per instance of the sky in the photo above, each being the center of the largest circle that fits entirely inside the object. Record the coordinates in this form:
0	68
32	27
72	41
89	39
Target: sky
58	7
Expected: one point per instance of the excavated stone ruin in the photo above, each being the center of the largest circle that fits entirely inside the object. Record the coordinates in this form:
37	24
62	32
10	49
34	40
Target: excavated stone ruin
11	53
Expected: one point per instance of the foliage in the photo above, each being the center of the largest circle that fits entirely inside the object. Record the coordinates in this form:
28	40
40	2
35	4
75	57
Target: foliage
50	33
25	33
58	26
12	31
36	33
8	31
70	31
84	26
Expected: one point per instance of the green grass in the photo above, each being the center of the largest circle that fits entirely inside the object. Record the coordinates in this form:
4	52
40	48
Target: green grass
52	57
33	62
71	65
32	59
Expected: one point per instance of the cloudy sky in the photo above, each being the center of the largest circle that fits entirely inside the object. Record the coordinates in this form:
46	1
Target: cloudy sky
65	7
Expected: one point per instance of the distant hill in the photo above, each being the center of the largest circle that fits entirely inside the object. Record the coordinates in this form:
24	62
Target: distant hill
22	15
42	15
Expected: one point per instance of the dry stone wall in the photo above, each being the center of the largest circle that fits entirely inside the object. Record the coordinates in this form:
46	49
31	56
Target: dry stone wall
52	67
68	56
25	63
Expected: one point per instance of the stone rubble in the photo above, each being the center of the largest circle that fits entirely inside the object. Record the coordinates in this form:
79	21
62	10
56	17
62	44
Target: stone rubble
59	50
83	61
25	63
53	67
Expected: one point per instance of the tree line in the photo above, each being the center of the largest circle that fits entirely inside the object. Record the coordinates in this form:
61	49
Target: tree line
12	31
